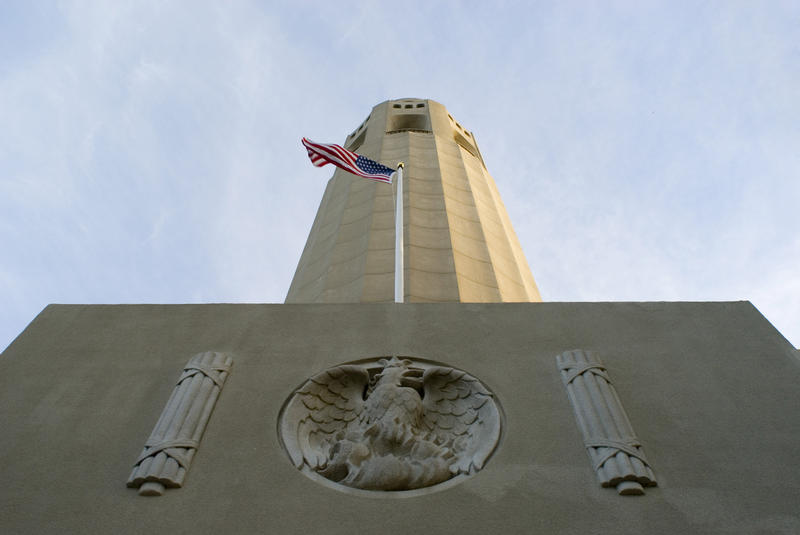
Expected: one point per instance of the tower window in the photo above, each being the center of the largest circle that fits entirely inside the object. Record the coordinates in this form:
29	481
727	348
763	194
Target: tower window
465	143
408	121
357	142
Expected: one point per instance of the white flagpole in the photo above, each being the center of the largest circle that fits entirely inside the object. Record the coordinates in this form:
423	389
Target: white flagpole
398	243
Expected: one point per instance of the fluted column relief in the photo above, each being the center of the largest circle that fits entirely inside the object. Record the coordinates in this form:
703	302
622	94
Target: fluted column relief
169	451
616	454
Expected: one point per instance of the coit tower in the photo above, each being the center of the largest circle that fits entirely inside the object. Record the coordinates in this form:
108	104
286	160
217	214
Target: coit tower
459	245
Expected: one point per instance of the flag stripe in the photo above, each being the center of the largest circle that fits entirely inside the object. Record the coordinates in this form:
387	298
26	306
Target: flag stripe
328	153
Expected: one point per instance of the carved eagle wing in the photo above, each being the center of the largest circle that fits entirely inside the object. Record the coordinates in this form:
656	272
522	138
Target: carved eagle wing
324	407
459	411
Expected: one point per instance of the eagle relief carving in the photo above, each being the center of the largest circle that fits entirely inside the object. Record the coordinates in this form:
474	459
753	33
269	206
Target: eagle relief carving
390	424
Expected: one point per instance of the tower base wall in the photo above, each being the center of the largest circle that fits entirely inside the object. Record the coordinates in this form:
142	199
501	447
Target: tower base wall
711	390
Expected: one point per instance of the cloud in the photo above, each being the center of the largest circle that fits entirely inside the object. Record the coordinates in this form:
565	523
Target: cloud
643	152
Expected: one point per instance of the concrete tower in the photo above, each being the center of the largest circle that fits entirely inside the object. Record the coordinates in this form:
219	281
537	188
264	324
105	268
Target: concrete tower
459	242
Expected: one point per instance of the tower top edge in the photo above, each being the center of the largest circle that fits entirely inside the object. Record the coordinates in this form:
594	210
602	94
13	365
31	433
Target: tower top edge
408	100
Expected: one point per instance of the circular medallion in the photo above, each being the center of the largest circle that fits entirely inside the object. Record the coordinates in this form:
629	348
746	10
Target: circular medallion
390	424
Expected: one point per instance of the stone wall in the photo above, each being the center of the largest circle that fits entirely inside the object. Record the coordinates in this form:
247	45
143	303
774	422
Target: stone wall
711	390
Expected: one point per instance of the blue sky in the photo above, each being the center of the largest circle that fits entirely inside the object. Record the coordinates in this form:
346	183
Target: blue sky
646	151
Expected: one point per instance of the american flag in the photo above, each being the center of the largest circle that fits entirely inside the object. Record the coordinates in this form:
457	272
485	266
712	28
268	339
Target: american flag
322	154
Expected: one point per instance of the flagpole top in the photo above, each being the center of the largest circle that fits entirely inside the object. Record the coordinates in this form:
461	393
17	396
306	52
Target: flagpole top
401	164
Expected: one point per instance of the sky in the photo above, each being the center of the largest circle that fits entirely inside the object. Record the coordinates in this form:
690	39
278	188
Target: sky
150	150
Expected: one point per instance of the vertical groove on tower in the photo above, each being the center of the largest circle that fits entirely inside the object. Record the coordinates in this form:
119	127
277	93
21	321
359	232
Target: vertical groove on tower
476	279
345	277
502	259
430	272
310	279
378	276
520	264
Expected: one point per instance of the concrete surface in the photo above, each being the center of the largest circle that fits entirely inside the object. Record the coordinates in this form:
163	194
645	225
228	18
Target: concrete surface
711	389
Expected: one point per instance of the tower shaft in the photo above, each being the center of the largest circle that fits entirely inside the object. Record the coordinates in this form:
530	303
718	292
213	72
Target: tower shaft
459	242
